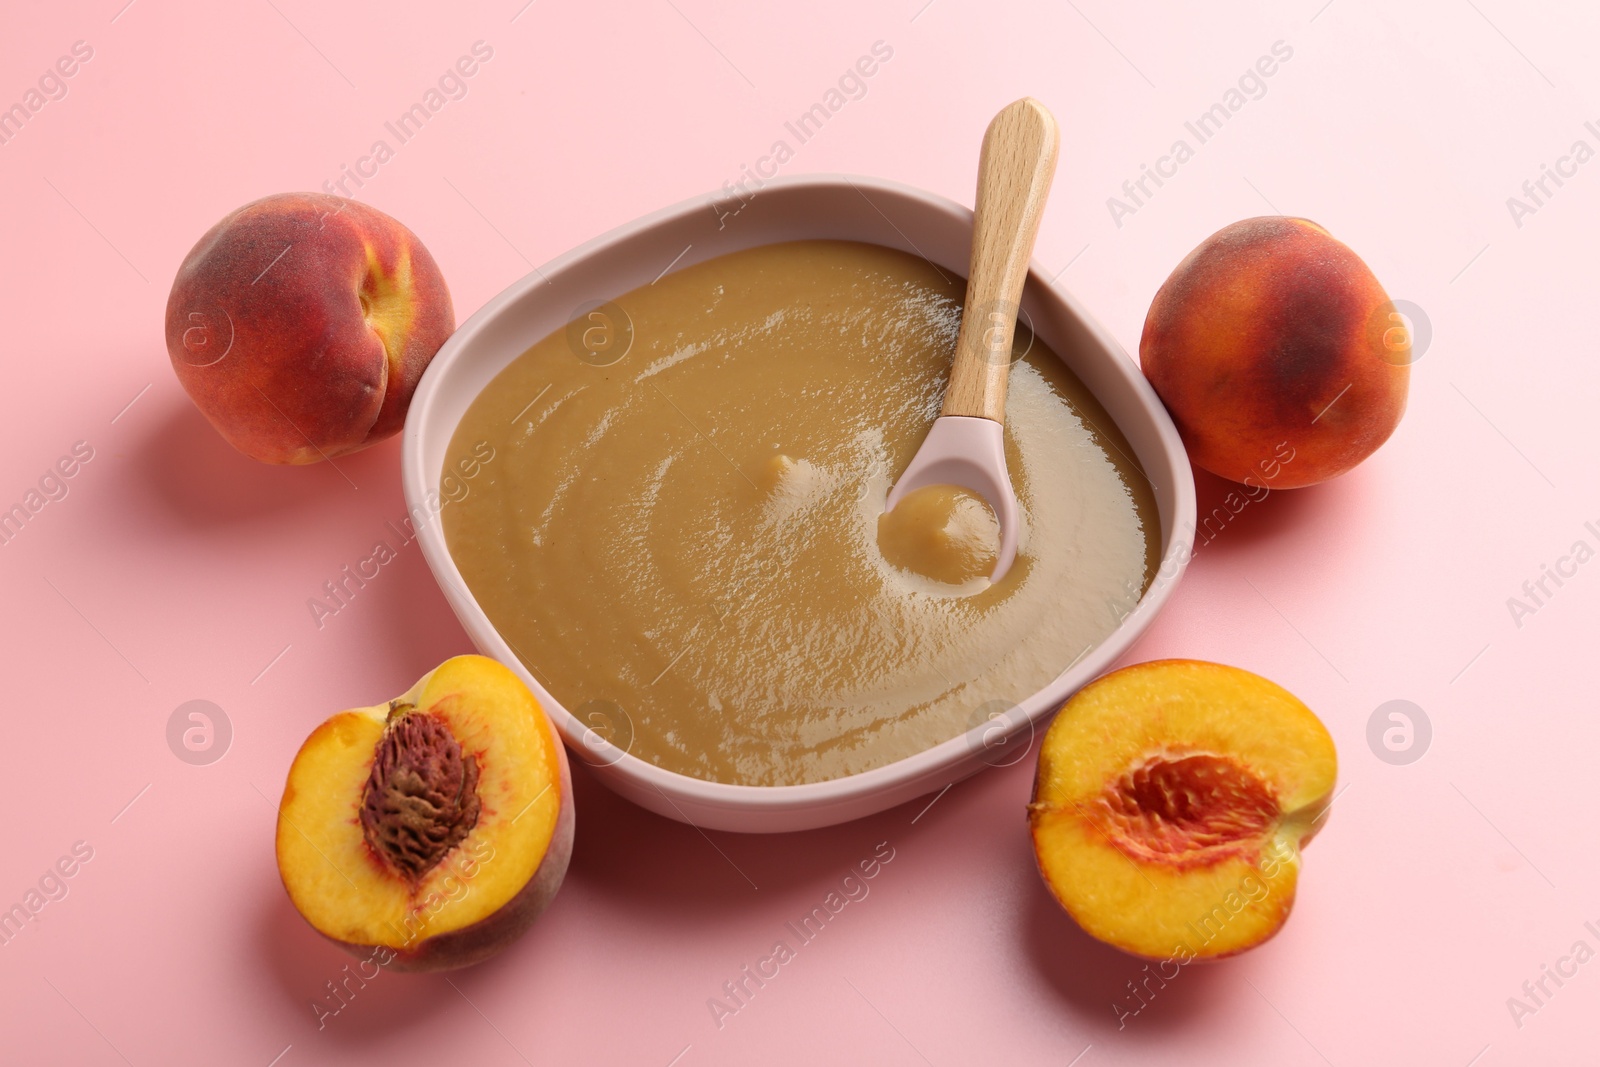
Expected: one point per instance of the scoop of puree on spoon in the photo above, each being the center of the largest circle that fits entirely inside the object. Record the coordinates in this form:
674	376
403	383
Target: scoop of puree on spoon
965	446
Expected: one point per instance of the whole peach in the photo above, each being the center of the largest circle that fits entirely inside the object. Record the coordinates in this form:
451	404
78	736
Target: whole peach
301	323
1277	354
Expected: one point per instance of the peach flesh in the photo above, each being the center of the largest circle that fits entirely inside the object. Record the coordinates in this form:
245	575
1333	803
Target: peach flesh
1171	803
445	870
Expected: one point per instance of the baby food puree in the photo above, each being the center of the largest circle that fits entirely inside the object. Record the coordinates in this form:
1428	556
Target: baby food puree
693	533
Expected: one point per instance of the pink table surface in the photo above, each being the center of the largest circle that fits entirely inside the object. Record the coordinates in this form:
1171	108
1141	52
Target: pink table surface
173	569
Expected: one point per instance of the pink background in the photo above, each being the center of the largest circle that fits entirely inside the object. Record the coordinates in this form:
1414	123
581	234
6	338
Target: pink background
175	569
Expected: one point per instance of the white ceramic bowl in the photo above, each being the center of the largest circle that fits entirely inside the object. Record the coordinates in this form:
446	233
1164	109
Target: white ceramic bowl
786	209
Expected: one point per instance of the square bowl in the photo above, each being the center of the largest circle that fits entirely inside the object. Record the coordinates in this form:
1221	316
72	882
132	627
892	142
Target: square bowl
786	209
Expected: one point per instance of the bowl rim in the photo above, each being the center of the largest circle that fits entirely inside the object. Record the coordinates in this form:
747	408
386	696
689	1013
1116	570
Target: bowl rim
1177	533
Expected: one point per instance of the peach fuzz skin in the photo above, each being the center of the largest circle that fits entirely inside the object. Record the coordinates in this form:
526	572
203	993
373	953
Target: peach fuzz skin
301	323
1273	340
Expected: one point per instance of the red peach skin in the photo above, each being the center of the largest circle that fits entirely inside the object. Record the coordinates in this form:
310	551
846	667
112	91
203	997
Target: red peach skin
301	323
1271	345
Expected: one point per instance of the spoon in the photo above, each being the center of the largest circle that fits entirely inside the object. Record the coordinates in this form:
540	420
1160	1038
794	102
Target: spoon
965	446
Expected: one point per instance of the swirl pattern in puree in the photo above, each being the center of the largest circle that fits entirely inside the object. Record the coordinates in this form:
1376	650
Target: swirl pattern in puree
690	534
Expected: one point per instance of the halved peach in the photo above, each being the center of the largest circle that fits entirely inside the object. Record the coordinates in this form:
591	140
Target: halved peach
429	831
1171	803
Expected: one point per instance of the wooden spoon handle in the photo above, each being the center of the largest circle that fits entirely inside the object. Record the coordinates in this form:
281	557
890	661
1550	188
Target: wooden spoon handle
1014	172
